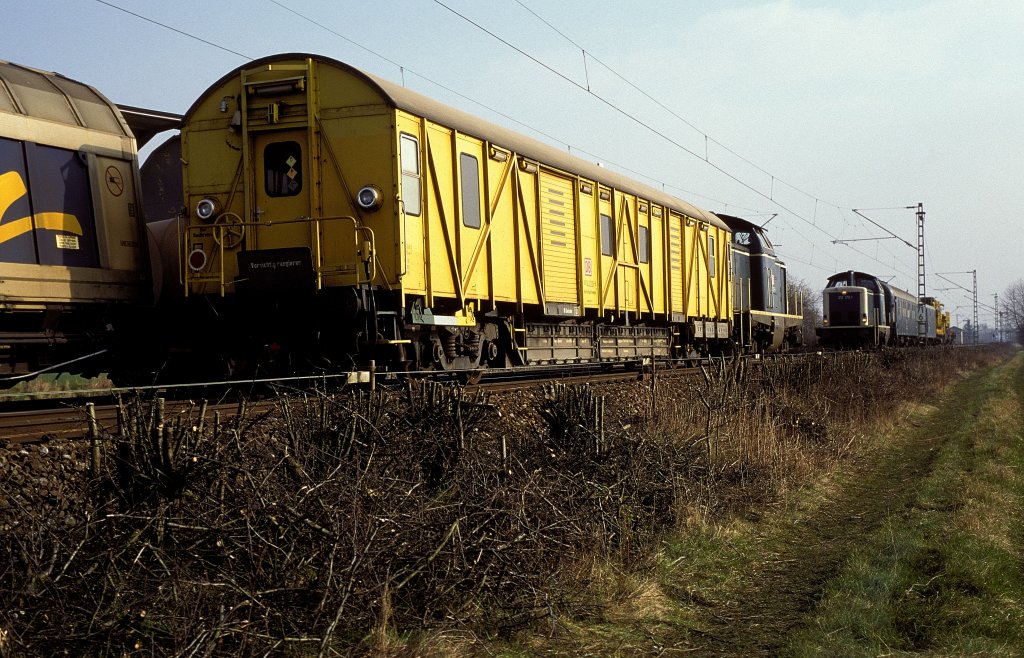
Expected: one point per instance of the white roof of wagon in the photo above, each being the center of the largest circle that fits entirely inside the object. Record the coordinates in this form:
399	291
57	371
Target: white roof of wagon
53	97
420	105
531	148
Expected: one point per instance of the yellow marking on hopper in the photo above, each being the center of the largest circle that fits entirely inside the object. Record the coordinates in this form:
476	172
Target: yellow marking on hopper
12	188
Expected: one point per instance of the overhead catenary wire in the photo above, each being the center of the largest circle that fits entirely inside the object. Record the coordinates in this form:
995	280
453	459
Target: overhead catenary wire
735	178
774	178
406	69
666	108
659	133
174	29
707	137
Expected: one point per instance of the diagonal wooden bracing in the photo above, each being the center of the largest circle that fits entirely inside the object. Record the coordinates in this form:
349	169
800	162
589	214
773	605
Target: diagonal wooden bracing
449	239
485	233
521	223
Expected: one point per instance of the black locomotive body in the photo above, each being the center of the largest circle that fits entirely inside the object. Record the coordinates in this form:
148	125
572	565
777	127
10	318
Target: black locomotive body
862	310
767	315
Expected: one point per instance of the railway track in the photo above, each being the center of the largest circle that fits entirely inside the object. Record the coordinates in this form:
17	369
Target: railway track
71	416
74	422
38	425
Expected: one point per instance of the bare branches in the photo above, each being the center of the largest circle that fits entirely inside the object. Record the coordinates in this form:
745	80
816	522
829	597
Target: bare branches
339	519
1012	305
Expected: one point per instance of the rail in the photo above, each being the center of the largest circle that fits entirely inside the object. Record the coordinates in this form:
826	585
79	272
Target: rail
70	414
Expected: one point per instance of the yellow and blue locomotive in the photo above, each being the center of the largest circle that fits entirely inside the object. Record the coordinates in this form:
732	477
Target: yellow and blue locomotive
72	243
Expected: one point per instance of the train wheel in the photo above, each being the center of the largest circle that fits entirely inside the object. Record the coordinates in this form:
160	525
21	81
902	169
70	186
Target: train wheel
446	349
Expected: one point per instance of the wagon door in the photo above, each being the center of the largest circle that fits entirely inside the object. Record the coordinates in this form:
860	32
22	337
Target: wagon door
558	223
280	195
626	272
676	271
276	237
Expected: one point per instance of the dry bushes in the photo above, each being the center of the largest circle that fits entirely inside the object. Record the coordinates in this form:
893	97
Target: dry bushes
793	418
339	523
330	523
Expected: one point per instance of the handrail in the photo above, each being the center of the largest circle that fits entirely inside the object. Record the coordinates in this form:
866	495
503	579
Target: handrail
364	243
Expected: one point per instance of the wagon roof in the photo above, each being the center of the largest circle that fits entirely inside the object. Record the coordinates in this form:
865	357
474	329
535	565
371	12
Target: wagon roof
54	97
420	105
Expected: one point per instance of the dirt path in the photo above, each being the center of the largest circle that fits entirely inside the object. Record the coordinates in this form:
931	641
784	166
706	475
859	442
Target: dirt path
778	591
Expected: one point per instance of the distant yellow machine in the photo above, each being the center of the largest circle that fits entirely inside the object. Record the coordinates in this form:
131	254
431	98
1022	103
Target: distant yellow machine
327	207
942	321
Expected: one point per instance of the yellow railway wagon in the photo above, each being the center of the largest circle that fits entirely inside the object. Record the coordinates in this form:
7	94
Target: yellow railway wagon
70	226
328	207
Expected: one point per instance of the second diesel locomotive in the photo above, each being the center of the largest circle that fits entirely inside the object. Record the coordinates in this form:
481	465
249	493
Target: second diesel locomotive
862	310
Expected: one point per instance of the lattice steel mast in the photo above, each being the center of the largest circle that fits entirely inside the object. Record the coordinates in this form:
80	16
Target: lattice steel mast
975	272
922	323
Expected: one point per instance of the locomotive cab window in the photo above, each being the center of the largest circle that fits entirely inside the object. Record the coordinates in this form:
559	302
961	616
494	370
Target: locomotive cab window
607	235
410	156
282	168
645	244
470	190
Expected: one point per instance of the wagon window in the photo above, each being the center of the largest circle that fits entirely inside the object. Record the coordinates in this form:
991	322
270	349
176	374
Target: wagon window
711	255
645	244
282	169
607	235
470	190
410	157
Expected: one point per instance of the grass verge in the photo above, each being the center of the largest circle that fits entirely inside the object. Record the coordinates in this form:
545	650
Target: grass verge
909	544
942	575
685	515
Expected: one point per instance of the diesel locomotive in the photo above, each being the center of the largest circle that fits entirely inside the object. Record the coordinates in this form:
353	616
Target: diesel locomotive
73	248
767	315
862	310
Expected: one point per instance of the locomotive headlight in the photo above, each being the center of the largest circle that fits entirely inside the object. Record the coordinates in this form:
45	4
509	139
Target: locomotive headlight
369	197
207	209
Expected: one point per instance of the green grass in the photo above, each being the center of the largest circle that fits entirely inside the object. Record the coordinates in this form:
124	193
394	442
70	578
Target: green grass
54	385
942	576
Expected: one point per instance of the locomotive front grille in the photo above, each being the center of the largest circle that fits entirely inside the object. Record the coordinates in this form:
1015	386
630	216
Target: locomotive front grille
844	310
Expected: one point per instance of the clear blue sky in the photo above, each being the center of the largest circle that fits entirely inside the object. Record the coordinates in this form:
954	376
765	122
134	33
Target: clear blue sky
806	109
